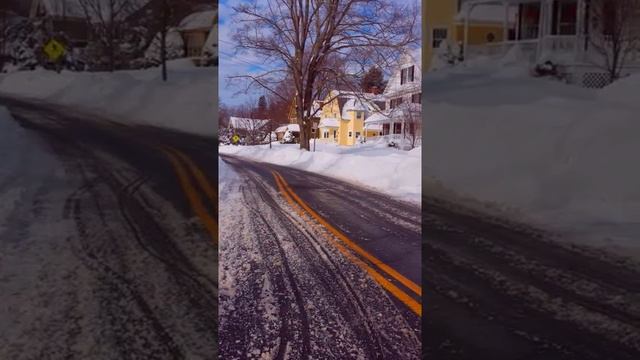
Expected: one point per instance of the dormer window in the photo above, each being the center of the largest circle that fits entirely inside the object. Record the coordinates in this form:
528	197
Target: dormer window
406	75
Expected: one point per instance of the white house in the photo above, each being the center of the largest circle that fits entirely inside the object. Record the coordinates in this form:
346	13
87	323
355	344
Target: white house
560	31
401	118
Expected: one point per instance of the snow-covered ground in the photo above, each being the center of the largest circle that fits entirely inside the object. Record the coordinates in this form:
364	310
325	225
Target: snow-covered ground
379	167
186	102
558	156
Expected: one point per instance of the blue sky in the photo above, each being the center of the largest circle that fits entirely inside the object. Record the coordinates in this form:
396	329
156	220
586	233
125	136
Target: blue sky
234	64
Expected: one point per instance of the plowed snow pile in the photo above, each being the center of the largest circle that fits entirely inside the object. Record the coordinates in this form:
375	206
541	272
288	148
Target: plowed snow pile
553	154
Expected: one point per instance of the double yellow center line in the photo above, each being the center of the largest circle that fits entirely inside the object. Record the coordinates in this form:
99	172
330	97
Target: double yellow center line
353	252
187	170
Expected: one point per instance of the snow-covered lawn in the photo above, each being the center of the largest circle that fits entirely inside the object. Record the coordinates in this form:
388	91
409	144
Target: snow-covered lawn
186	102
379	167
559	156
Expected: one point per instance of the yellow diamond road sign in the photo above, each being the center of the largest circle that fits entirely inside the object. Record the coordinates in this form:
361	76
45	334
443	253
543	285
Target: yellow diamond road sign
54	50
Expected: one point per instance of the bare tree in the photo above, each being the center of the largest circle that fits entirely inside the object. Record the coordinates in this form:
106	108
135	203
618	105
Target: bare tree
412	119
107	18
4	25
303	36
616	33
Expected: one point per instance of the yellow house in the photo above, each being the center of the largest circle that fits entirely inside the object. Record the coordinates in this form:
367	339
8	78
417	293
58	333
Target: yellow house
343	114
315	112
444	21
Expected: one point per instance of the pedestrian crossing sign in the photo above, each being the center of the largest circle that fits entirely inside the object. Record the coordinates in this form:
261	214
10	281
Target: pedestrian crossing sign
54	50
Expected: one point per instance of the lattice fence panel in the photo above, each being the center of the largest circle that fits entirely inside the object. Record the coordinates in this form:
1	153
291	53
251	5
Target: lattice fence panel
595	80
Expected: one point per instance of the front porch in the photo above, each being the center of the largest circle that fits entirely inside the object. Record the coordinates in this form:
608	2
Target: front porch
541	30
399	127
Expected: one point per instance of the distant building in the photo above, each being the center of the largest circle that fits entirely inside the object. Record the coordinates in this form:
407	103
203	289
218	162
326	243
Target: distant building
343	115
65	16
401	117
199	33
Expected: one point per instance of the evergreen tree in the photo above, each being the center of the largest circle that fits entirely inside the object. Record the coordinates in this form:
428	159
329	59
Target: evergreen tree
373	80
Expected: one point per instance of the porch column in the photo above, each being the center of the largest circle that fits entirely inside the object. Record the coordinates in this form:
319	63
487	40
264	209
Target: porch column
518	21
391	128
579	30
465	40
505	22
402	129
542	21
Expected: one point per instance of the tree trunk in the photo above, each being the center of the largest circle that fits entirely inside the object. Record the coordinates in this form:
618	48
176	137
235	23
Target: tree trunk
163	39
163	54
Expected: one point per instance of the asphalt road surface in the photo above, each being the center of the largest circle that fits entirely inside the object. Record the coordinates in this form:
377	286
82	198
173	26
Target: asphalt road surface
313	267
495	290
107	239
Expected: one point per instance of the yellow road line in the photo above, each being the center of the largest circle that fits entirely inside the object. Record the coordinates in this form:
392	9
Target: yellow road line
192	196
201	178
412	304
384	267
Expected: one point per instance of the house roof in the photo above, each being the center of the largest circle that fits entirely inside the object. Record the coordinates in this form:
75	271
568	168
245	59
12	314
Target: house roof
246	123
291	127
377	118
198	20
410	57
329	122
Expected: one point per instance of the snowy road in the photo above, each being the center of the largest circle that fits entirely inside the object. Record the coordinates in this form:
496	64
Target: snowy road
107	239
315	268
500	291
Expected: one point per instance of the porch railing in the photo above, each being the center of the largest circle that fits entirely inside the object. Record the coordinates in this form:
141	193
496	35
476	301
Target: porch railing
499	49
404	142
561	45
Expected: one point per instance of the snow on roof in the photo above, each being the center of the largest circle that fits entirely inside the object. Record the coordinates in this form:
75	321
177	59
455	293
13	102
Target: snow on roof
198	20
329	122
410	57
246	123
281	128
375	127
211	44
293	127
356	104
378	118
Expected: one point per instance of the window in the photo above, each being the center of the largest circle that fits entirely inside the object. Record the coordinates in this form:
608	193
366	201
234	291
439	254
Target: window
416	98
394	103
357	134
350	134
334	134
407	75
564	19
358	114
438	35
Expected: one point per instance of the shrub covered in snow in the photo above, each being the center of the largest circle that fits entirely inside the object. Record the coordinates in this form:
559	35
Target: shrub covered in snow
446	55
174	49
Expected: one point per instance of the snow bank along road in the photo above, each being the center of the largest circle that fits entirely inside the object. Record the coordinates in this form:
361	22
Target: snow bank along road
315	268
107	239
496	290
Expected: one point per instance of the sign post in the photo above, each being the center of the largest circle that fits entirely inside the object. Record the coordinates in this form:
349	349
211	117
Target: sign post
54	51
